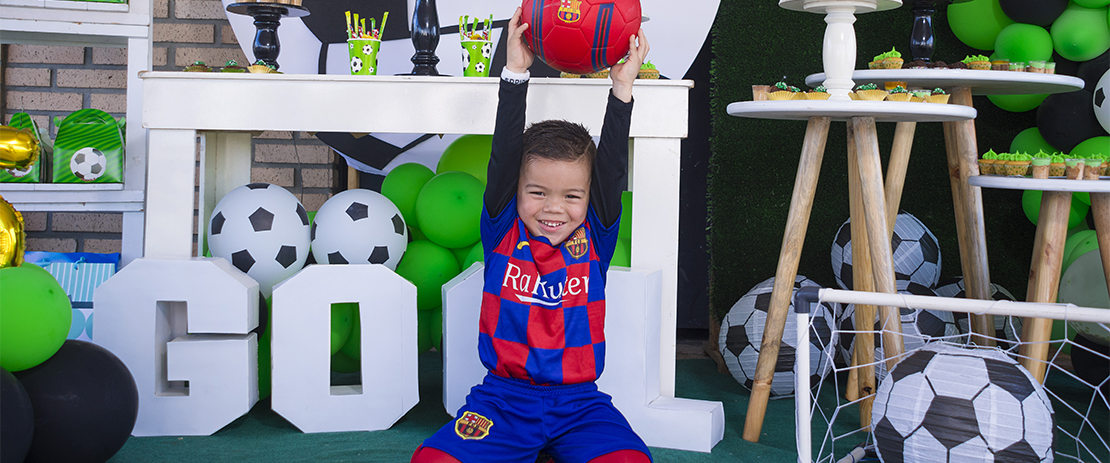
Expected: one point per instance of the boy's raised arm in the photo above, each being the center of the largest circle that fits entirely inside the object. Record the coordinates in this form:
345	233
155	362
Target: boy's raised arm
508	132
610	175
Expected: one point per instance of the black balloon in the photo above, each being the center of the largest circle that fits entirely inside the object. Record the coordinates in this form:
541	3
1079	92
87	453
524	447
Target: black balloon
17	419
1092	70
1039	12
1065	66
1088	365
85	404
1066	119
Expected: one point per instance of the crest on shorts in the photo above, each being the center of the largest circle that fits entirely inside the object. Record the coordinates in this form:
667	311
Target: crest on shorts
472	426
578	244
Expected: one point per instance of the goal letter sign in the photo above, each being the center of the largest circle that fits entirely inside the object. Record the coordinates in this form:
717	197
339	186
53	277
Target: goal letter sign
183	329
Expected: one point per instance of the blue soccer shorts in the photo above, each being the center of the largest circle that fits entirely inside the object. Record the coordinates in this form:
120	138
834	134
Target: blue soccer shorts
506	420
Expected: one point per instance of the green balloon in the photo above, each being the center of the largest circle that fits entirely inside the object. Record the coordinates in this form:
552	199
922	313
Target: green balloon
1093	145
626	216
1080	33
1031	204
341	363
1092	3
264	365
1023	42
622	254
402	185
477	254
1071	243
468	153
416	234
1087	244
353	348
341	319
449	208
1017	103
35	315
428	266
1082	196
1030	141
978	22
461	253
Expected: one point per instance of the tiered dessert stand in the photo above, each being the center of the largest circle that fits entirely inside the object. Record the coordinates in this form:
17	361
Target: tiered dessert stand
873	206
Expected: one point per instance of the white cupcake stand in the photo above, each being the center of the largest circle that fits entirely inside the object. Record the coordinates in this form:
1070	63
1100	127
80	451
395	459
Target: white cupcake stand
873	205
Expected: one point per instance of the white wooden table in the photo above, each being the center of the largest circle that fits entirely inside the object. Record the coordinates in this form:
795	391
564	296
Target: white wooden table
225	108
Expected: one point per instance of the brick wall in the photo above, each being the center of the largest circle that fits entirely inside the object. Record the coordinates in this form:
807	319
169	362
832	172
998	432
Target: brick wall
49	81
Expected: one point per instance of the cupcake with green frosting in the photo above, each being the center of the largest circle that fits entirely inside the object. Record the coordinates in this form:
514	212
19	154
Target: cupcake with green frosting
937	96
648	71
781	91
198	66
233	66
1094	165
870	92
978	62
1073	168
898	93
1041	162
817	93
892	59
1056	167
918	96
986	163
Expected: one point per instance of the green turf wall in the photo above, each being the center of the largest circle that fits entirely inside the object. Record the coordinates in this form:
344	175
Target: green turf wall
754	161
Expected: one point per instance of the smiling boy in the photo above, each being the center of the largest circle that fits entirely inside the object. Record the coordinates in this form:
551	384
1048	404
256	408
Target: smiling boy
549	228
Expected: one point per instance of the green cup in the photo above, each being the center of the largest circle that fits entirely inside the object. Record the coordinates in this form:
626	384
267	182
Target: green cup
476	56
364	56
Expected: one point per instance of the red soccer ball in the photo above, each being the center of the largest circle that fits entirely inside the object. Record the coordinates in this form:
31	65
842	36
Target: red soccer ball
580	36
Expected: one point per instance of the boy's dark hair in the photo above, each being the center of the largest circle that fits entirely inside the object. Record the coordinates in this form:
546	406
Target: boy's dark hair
558	140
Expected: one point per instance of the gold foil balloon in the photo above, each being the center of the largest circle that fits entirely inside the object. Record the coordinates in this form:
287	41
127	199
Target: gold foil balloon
18	148
13	240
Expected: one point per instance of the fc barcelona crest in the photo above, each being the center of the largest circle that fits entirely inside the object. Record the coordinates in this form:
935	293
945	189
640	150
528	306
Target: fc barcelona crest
570	11
472	426
577	244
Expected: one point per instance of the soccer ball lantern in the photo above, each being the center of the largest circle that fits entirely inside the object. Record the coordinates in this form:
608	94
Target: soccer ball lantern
580	36
953	404
915	252
742	334
359	227
263	230
919	326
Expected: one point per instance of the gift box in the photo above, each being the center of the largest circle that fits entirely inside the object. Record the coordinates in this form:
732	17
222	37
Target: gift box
79	273
33	174
88	148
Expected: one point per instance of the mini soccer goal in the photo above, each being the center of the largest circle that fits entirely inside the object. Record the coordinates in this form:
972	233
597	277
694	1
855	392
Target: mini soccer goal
949	400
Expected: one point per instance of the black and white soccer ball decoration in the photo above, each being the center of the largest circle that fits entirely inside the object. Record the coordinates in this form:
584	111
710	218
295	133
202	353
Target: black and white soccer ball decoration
1006	328
742	335
915	250
919	326
950	404
88	164
262	229
1102	107
359	227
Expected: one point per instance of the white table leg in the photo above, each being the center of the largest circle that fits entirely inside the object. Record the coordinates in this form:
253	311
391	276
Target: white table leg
169	208
654	169
226	165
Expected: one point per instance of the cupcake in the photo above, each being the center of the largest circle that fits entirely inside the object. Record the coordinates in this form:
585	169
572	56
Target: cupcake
978	62
1017	164
938	65
917	96
1018	66
870	92
569	75
198	66
1036	66
1041	162
898	93
986	163
1000	65
648	71
958	65
782	92
1093	167
1056	168
1050	67
1073	168
891	59
232	66
602	74
876	62
260	67
915	64
937	96
818	93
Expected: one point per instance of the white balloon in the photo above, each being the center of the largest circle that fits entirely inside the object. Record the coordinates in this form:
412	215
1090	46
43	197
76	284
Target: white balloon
1102	107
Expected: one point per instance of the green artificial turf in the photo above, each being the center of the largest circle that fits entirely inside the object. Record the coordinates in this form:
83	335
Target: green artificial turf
754	161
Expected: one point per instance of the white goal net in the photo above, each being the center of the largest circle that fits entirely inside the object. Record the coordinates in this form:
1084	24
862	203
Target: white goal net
949	400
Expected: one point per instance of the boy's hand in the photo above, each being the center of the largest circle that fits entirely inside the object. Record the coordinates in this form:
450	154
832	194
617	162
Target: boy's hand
518	57
624	74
